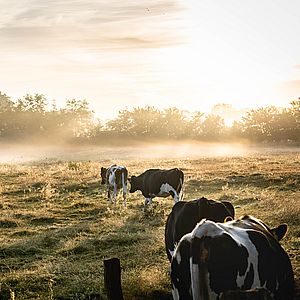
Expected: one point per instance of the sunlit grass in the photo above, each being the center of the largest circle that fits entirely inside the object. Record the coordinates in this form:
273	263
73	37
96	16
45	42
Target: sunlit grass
57	225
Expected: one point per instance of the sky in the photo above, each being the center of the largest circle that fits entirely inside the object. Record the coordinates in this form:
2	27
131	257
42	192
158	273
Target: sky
190	54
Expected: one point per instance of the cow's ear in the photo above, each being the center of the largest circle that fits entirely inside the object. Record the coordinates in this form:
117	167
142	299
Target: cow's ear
131	178
229	207
280	231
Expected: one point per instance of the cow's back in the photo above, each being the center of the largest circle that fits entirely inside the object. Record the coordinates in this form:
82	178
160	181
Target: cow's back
225	257
121	175
185	215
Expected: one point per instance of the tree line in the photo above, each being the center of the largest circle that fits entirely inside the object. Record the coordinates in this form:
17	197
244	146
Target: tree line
33	118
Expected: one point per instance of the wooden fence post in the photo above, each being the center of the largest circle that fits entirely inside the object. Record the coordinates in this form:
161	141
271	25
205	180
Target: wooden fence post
112	279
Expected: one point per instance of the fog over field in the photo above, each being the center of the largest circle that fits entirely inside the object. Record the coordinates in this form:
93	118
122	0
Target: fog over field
188	150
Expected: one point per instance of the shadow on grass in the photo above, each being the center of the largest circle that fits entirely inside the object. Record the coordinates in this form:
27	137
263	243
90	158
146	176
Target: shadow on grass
283	183
42	244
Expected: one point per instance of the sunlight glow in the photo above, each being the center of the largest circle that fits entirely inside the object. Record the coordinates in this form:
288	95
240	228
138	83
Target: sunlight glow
187	53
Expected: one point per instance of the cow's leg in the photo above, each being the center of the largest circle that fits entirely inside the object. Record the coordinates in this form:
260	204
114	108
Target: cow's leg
124	189
148	201
115	193
176	197
108	194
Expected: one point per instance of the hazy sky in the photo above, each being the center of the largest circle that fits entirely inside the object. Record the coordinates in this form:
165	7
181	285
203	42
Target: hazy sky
184	53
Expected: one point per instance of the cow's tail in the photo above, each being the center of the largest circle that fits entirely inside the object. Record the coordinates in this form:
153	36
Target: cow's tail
124	186
180	187
181	193
199	270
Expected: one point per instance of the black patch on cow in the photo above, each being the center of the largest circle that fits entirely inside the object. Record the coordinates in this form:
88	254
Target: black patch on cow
274	266
180	272
249	278
226	260
103	175
185	215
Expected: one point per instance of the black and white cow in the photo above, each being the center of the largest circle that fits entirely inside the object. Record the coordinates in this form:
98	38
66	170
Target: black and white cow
115	178
185	215
242	254
158	183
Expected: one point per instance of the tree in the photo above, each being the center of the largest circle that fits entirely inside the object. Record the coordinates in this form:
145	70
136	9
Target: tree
195	124
5	103
139	122
295	111
76	118
212	127
174	123
35	104
258	124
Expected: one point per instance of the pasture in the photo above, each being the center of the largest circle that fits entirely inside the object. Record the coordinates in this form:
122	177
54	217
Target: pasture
57	225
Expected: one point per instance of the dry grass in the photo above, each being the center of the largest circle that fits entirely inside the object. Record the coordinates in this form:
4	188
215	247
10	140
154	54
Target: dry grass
57	226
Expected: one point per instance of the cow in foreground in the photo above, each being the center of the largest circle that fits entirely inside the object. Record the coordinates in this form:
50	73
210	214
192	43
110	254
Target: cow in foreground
115	178
185	215
158	183
242	254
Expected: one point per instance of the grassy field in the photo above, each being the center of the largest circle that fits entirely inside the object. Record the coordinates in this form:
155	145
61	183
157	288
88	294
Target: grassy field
57	225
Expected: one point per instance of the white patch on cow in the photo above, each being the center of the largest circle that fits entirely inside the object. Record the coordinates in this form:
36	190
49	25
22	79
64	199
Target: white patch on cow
194	269
165	190
171	252
175	293
244	240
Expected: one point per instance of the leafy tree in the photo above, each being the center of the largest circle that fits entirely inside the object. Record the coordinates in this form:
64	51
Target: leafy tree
295	112
5	103
212	127
140	122
257	124
195	124
30	103
174	123
76	118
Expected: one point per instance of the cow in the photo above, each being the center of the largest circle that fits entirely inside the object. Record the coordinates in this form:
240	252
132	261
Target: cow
185	215
239	254
115	177
158	183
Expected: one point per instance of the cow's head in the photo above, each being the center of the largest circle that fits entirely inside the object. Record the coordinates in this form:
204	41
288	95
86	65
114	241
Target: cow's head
230	209
215	210
103	175
133	184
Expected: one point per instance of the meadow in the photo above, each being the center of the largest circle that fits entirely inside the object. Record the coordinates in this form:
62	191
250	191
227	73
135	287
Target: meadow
57	226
